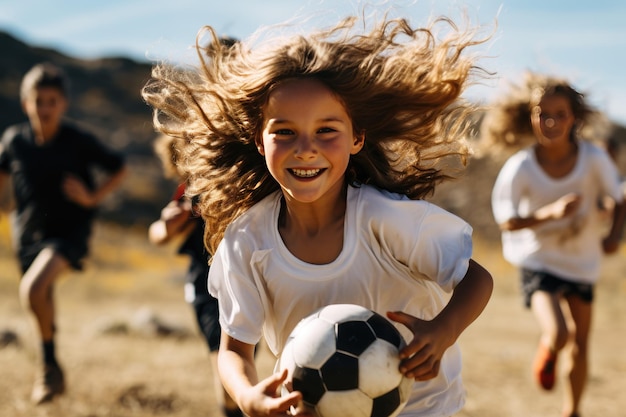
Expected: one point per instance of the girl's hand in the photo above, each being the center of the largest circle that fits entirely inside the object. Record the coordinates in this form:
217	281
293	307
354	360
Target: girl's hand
421	358
76	191
264	399
565	206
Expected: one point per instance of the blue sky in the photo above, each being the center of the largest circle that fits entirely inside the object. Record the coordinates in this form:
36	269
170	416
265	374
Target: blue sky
584	41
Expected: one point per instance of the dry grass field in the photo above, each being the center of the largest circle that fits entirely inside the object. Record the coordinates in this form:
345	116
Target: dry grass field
117	368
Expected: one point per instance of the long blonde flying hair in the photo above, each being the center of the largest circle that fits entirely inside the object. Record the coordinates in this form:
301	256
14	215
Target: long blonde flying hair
401	85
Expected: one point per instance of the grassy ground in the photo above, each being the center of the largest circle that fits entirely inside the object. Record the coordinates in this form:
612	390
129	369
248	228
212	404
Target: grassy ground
114	369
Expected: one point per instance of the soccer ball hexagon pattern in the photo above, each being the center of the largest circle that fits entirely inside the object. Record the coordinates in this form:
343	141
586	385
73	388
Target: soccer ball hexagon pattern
344	360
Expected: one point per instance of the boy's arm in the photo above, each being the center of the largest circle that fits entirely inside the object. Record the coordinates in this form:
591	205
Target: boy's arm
4	177
109	185
76	190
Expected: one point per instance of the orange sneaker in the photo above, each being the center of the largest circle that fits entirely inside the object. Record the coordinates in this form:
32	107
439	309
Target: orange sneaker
544	367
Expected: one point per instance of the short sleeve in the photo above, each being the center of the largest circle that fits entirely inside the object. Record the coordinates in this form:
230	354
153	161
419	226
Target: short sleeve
431	242
443	249
100	154
231	282
507	191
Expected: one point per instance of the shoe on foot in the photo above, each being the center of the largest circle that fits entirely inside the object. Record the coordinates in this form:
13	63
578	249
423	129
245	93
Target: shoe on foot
544	367
49	384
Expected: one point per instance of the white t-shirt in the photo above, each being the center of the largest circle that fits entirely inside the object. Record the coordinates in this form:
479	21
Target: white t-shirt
398	254
570	248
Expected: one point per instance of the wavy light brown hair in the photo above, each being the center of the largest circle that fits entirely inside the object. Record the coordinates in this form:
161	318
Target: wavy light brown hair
507	124
401	85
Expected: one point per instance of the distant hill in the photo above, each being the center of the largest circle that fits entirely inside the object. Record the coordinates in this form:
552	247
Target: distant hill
106	98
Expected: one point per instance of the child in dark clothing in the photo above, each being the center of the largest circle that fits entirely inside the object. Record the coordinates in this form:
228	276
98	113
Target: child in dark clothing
178	219
50	162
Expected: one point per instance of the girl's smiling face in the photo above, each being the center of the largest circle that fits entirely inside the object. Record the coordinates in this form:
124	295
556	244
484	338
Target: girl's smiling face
307	139
553	119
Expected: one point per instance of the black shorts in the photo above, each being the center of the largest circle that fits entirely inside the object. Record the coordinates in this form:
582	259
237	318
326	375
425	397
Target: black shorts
544	281
207	317
73	251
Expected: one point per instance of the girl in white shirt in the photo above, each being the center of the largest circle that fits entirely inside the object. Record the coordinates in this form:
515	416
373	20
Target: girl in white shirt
545	200
311	157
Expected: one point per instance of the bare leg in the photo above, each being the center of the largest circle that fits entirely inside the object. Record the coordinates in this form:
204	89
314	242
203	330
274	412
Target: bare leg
547	310
579	322
554	336
36	295
36	290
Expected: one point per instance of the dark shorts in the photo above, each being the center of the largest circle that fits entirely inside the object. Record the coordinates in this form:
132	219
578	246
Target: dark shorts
544	281
73	251
207	316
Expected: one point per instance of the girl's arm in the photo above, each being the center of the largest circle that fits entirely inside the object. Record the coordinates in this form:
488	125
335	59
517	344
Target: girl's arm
610	244
239	376
422	356
561	208
468	300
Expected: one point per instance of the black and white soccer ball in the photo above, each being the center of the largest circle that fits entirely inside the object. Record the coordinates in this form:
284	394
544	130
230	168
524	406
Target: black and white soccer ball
344	360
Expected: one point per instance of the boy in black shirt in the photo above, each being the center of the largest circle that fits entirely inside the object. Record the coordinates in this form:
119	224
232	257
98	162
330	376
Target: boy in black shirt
51	165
